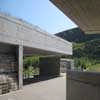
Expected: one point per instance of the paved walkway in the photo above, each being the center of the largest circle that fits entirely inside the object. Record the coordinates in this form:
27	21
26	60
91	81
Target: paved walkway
53	89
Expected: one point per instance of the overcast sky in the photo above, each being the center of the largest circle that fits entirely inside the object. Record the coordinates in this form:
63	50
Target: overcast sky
38	12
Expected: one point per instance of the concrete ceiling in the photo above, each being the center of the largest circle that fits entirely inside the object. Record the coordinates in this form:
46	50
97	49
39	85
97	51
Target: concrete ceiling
85	13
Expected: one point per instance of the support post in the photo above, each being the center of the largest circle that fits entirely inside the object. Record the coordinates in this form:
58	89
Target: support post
20	66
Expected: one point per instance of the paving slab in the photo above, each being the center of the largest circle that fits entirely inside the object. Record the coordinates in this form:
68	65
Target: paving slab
53	89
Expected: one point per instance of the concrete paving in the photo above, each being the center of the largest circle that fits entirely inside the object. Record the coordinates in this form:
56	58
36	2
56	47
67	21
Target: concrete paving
53	89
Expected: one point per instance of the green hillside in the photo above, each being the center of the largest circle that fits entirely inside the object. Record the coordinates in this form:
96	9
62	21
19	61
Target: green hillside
86	48
77	35
90	49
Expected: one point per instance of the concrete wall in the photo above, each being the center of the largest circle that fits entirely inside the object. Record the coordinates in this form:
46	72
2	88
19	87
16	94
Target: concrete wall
66	64
18	32
83	85
49	66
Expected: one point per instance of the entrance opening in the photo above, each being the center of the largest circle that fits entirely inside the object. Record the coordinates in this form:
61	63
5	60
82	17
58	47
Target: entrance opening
31	70
39	65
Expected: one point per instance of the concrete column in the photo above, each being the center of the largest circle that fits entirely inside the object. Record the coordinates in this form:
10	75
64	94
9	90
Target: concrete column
20	67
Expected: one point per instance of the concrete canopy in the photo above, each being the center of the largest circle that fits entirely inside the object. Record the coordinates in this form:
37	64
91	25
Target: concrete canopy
18	32
85	13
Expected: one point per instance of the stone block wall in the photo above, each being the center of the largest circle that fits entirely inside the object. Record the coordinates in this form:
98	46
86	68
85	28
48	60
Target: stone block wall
8	69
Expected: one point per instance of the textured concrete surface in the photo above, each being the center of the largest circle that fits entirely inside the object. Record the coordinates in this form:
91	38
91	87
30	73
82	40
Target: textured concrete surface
81	91
85	13
54	89
83	85
19	32
20	66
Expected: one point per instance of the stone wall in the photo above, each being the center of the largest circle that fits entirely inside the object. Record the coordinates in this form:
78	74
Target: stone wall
8	69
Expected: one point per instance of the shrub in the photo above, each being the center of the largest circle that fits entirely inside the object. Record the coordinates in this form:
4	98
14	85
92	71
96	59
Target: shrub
31	66
83	62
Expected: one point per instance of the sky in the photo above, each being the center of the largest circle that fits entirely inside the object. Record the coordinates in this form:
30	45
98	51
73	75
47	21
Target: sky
41	13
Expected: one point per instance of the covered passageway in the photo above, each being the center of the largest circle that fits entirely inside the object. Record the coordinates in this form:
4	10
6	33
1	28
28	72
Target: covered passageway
85	13
19	39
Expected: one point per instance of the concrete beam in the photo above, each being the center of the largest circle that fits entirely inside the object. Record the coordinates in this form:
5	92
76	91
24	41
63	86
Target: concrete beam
20	66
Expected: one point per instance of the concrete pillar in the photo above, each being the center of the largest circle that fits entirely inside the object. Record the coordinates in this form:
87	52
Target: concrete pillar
20	66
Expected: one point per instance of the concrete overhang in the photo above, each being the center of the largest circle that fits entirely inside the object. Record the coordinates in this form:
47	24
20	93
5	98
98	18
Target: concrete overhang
85	13
19	32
